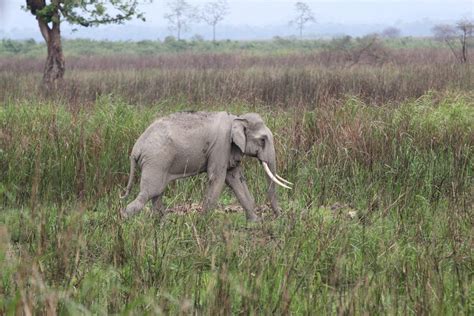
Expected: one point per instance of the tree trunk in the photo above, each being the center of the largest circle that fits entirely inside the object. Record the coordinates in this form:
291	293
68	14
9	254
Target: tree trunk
213	32
463	48
54	67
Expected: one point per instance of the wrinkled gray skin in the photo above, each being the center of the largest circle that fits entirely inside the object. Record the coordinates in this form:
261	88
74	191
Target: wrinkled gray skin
188	143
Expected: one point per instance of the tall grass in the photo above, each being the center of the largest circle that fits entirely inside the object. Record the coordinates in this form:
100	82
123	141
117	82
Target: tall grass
309	80
405	170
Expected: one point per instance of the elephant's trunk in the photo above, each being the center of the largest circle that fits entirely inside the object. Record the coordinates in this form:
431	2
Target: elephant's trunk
269	165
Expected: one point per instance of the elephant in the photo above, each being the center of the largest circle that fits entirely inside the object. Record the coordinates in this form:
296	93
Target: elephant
184	144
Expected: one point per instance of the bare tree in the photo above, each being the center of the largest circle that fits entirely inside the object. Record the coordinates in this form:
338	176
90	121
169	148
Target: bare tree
367	49
466	28
213	13
51	13
180	16
303	16
446	33
455	36
391	32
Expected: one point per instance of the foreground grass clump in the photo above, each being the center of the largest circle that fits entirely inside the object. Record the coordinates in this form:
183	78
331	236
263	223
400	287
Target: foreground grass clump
81	258
405	170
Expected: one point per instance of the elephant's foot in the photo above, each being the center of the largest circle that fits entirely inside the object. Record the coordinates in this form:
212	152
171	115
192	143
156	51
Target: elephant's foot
277	213
123	214
161	213
253	218
158	209
134	207
276	209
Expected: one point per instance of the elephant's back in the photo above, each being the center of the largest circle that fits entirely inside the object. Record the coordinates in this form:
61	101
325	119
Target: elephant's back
179	131
191	120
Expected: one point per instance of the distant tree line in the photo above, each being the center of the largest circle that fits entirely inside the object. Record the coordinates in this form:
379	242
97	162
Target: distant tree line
180	15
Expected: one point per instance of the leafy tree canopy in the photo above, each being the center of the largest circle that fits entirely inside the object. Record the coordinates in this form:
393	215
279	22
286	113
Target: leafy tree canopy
85	12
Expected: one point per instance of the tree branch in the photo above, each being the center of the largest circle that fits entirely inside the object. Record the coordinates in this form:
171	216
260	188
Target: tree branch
453	50
87	23
44	28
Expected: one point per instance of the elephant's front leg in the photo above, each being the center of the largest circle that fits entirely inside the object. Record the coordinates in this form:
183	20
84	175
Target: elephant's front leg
216	175
235	179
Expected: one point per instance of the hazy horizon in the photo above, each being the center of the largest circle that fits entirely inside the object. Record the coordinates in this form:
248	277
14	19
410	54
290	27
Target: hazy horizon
259	19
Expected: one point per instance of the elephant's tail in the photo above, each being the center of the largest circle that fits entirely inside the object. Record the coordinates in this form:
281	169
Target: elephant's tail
133	163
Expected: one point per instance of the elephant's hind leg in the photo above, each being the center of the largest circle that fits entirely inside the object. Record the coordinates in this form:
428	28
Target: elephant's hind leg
152	186
136	205
158	206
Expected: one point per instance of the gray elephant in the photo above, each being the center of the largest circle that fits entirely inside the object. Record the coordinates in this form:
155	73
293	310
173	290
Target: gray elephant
188	143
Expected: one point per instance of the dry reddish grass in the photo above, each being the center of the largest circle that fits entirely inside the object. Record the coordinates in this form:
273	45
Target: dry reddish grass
309	80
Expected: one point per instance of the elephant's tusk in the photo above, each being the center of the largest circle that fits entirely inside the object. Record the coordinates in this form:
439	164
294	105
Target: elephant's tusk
280	178
272	177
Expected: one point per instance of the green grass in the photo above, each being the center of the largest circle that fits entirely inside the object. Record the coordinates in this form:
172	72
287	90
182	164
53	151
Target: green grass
276	46
406	261
406	169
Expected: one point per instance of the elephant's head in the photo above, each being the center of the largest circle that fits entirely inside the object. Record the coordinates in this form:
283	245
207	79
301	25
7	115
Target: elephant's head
253	138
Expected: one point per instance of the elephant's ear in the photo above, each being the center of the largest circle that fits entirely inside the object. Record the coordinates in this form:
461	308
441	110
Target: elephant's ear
237	134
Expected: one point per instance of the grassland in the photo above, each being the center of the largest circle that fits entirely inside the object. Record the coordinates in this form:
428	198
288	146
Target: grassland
380	220
277	46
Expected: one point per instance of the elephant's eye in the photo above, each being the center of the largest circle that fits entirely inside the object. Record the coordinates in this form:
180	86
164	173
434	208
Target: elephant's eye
262	142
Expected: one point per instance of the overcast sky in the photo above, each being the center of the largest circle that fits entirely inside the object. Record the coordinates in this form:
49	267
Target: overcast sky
265	13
